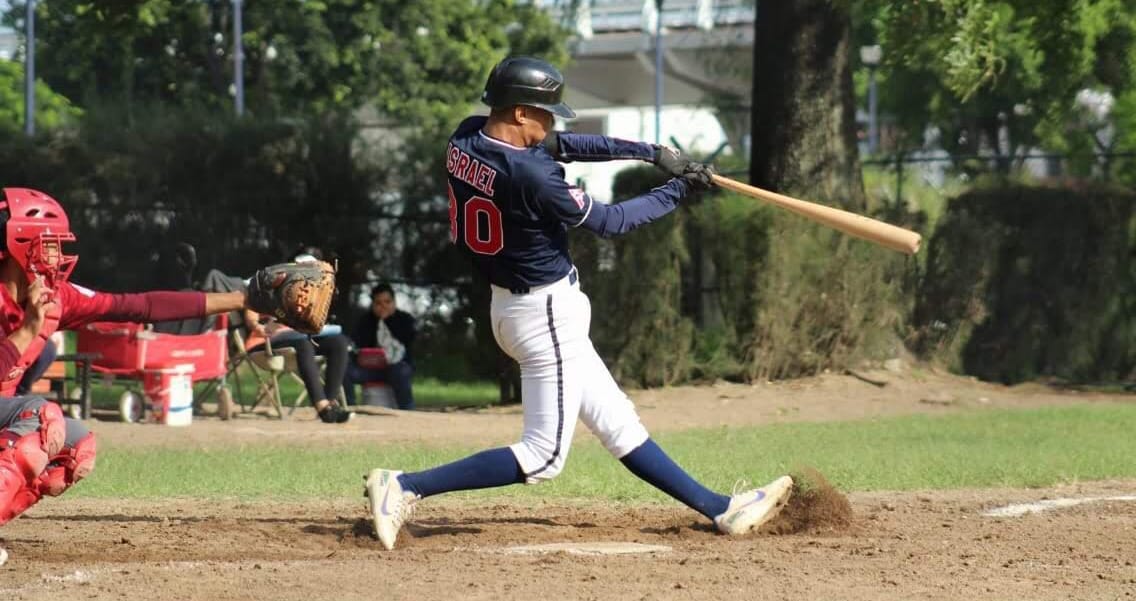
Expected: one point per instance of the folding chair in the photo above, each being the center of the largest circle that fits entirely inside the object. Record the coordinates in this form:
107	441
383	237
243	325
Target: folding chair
265	368
268	365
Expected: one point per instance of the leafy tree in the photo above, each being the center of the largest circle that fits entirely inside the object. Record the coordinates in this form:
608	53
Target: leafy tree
978	68
407	71
414	63
52	109
817	298
804	137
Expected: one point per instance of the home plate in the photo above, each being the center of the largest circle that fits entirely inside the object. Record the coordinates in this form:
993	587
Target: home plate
596	548
1020	509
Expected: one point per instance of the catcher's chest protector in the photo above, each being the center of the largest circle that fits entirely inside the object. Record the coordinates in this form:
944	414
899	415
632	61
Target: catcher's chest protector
50	325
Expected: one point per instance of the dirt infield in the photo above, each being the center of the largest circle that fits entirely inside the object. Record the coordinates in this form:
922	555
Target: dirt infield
883	545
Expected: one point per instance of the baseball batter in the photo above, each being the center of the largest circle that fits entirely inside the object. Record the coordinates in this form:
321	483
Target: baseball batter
510	209
41	451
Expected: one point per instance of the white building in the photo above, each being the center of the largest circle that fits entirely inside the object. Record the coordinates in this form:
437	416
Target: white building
611	80
9	42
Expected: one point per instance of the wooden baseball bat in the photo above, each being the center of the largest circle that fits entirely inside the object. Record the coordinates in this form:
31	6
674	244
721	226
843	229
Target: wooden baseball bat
884	234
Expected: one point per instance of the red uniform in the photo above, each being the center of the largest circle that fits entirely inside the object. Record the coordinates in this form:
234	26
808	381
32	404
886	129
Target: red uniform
41	452
47	453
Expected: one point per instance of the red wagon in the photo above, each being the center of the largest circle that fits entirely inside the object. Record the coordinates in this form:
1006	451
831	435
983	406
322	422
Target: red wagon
131	350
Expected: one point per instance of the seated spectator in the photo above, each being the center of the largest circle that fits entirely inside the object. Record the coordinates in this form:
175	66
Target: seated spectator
387	327
330	343
324	391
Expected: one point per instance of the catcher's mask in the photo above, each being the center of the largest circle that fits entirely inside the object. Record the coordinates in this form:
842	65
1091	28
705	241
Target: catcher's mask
35	228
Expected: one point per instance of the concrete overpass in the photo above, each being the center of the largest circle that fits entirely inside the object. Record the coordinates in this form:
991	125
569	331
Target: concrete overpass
707	50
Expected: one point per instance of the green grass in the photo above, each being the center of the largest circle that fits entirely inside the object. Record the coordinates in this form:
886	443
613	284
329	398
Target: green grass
434	393
1027	448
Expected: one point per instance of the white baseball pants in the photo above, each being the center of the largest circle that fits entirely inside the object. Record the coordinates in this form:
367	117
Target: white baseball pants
562	377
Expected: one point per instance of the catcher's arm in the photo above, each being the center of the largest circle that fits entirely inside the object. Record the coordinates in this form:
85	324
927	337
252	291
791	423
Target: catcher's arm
298	295
223	302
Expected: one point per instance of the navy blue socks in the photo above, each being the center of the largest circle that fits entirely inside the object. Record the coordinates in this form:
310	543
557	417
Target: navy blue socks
652	465
499	467
487	469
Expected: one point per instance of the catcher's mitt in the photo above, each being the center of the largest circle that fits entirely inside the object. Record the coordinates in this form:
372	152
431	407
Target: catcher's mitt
298	295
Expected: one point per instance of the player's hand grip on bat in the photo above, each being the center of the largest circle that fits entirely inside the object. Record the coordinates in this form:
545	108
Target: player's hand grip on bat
700	176
672	161
677	164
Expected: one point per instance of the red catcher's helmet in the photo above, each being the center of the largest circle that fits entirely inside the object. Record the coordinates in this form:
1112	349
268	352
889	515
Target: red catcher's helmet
34	233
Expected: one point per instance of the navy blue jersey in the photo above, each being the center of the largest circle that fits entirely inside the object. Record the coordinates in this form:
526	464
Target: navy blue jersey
511	208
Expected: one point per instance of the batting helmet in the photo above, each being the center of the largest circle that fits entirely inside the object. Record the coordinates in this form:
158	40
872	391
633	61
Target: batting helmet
527	81
35	228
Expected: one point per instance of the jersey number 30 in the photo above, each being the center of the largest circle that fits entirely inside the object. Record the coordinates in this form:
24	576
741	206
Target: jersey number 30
482	224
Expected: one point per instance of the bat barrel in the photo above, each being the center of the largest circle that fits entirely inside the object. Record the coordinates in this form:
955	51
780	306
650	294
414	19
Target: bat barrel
872	230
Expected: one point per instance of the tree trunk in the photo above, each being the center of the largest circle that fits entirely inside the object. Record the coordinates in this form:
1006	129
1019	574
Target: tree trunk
804	130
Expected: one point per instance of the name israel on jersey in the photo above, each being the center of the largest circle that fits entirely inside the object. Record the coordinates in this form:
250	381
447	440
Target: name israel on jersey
470	170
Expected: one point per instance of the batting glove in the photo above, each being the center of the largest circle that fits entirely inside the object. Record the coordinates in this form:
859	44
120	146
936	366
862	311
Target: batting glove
699	176
670	160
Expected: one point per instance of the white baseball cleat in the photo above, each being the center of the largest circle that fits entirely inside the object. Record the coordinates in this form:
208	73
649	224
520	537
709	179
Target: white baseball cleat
752	508
390	505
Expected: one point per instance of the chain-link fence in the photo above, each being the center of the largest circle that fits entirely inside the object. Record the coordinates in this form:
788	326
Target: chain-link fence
926	180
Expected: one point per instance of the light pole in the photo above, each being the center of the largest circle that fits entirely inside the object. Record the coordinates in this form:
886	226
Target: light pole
870	56
238	59
29	69
658	71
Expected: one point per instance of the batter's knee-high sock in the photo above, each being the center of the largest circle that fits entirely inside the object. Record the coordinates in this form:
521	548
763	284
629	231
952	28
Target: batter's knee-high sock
487	469
651	464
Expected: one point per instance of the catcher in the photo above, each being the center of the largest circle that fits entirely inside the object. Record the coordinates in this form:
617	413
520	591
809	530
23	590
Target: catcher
41	451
